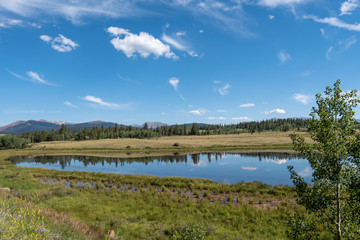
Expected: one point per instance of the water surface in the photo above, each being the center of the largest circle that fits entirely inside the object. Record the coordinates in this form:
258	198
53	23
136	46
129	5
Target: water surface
229	168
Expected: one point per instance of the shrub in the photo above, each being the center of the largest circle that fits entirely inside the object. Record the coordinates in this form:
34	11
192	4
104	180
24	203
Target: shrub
187	232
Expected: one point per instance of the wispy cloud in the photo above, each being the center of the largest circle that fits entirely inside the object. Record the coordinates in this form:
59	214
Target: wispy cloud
271	17
304	99
69	104
335	22
221	111
8	22
241	119
32	77
216	118
224	90
100	103
36	78
249	168
348	7
182	33
174	42
73	10
341	46
283	56
199	111
144	44
227	15
277	3
245	105
174	82
277	110
60	43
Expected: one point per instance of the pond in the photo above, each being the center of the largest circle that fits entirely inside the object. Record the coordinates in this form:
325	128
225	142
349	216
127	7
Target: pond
229	168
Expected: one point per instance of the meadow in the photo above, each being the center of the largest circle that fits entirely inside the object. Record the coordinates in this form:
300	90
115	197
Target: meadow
264	140
84	205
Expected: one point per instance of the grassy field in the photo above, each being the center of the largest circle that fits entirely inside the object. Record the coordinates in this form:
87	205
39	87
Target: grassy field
265	140
84	205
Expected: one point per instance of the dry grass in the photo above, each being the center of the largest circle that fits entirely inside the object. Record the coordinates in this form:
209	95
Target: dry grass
244	139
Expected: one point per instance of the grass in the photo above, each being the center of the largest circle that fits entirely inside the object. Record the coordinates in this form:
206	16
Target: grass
265	140
84	205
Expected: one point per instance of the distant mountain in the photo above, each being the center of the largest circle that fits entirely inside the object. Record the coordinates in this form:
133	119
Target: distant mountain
80	126
154	125
29	126
11	125
39	125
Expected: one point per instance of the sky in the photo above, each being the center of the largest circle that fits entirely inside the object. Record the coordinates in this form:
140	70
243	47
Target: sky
173	61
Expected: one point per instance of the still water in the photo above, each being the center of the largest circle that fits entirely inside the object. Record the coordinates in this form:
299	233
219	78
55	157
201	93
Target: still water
229	168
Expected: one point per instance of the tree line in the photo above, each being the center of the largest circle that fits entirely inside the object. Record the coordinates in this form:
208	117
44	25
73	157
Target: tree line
120	131
66	133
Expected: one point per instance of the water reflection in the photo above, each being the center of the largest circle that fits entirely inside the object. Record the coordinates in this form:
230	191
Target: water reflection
222	167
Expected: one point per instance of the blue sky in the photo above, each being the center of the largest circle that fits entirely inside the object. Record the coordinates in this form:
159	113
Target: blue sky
173	61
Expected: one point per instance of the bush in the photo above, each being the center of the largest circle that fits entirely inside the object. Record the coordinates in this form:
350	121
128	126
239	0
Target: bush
13	142
187	232
176	144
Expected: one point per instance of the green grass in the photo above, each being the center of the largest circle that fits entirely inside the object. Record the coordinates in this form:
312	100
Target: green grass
159	208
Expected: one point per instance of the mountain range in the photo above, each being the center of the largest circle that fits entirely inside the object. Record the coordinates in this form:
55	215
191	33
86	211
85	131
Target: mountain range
39	125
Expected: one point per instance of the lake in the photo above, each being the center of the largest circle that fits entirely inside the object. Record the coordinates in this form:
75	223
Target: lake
229	168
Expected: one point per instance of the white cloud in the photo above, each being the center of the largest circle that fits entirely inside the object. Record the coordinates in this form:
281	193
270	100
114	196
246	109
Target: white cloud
67	103
249	168
348	7
60	43
176	44
247	105
216	118
199	111
174	82
101	103
46	38
8	22
241	119
277	3
144	44
277	110
115	31
335	22
329	51
341	46
271	17
36	78
224	90
283	56
194	54
182	33
307	172
201	31
304	99
72	10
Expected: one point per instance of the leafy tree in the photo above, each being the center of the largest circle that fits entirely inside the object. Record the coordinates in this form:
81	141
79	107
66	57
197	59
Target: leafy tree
194	129
334	196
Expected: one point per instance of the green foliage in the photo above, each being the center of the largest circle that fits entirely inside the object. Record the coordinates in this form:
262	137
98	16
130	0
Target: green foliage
13	142
121	131
188	232
334	195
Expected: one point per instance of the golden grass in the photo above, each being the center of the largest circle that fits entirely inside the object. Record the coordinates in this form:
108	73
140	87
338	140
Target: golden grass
244	139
